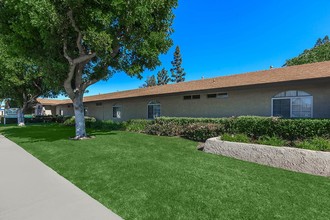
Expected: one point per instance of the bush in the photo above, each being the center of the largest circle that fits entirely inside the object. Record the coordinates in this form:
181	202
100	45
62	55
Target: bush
106	125
8	120
41	119
71	121
136	125
253	126
201	131
316	143
164	129
243	138
273	141
263	130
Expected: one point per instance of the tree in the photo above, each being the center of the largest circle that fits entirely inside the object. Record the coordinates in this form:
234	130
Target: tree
90	39
178	74
22	81
319	53
318	42
150	81
162	77
325	39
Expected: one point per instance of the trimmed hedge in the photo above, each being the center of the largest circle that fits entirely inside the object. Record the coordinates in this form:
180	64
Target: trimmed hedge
70	121
252	126
200	129
106	125
35	119
137	125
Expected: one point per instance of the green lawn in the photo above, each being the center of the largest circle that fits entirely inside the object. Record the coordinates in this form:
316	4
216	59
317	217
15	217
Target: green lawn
148	177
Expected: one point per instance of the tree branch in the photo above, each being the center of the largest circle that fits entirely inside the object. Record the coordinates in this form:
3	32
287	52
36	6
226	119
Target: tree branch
93	81
79	38
65	52
37	86
83	58
89	83
115	51
67	82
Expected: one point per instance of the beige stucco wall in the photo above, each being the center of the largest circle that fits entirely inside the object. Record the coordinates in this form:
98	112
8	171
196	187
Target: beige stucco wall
50	110
243	101
67	110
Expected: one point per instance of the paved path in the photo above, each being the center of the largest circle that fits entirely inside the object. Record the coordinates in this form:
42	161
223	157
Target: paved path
29	190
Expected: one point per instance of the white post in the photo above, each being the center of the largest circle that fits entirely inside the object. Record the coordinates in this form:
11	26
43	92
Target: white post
20	117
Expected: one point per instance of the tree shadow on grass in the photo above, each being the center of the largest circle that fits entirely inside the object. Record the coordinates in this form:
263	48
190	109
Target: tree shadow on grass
47	133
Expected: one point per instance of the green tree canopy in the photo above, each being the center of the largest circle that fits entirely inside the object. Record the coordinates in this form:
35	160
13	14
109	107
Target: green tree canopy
319	53
91	39
22	81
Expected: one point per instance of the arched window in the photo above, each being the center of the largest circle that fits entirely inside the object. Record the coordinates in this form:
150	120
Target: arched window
116	111
293	104
153	109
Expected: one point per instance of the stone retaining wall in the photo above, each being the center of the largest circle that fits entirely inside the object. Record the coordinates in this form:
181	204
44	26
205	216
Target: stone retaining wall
305	161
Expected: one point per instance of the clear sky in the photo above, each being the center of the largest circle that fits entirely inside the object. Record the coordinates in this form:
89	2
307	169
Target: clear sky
219	37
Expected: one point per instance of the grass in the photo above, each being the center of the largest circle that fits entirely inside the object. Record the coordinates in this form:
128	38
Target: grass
243	138
316	143
273	141
149	177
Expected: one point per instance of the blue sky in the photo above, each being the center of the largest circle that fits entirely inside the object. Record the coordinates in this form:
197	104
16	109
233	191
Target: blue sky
220	38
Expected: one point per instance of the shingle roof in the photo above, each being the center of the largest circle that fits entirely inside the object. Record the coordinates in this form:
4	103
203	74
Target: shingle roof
52	102
285	74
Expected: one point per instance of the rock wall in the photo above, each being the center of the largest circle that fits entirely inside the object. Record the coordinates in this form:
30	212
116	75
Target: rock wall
300	160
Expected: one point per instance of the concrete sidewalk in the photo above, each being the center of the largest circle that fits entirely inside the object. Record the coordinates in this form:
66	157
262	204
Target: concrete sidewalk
30	190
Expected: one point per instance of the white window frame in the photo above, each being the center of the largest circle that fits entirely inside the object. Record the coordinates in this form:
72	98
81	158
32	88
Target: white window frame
120	110
222	95
292	97
153	103
86	111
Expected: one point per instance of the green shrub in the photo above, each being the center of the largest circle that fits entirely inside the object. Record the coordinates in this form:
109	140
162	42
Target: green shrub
136	125
263	130
201	131
71	121
243	138
8	120
255	127
316	143
273	141
164	129
106	125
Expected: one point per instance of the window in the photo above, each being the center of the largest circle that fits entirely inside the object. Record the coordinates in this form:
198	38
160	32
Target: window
293	104
196	97
116	111
189	97
99	104
153	109
222	95
210	96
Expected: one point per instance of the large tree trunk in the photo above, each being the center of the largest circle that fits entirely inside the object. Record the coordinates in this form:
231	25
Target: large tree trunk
79	116
25	107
